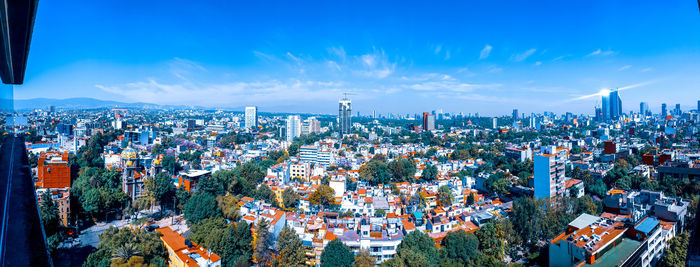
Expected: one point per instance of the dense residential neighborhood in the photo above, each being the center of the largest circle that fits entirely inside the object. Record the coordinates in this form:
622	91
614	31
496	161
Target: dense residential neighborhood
184	187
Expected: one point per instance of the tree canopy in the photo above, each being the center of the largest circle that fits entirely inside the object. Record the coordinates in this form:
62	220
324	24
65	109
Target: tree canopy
337	254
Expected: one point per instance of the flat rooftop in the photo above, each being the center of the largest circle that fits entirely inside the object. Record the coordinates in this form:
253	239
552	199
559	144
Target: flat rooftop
618	254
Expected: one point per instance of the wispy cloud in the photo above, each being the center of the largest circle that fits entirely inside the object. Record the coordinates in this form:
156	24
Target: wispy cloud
264	56
606	91
495	69
485	52
181	68
523	56
446	83
601	52
375	65
338	52
646	69
226	94
624	67
438	48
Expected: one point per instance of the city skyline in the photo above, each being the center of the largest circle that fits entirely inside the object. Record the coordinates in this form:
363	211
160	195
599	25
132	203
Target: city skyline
393	58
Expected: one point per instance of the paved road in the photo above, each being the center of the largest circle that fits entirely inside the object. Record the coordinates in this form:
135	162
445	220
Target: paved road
22	241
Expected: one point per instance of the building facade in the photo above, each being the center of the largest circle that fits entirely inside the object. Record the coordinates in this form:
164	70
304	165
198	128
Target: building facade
344	116
293	127
251	117
549	172
53	170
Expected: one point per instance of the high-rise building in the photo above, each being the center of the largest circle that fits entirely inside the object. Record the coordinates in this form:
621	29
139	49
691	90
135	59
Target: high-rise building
549	172
515	114
251	117
605	101
428	121
615	105
344	116
611	105
664	112
698	110
677	110
495	123
643	108
293	127
311	125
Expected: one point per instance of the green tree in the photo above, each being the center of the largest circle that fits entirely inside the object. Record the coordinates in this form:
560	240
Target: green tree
676	252
160	187
364	259
263	242
526	217
375	172
416	248
170	164
49	214
251	173
123	244
429	173
402	170
98	191
157	149
497	183
290	199
445	197
265	193
238	246
289	246
337	254
229	207
211	185
208	233
489	243
379	213
460	246
201	206
324	196
181	195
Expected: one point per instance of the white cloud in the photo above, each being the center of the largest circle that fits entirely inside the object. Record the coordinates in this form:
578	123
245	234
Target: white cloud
646	69
485	52
624	67
375	65
538	63
183	68
601	52
334	65
495	69
294	58
227	94
523	56
446	83
437	49
338	52
264	56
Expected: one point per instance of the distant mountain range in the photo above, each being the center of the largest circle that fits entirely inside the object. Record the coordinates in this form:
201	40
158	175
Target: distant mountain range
81	103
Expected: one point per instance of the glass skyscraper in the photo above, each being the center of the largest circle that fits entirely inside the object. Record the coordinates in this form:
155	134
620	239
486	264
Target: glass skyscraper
344	116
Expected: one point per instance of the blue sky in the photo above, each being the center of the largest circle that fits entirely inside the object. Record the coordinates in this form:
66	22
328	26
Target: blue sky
393	56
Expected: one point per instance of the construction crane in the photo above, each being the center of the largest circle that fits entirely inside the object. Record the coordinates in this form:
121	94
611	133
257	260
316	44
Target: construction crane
346	94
